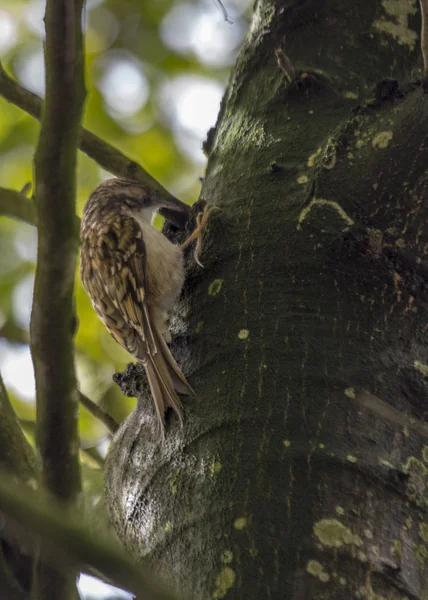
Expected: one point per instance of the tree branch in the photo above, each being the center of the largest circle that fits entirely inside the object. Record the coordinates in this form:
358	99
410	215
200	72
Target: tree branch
51	330
13	333
98	413
17	205
52	318
16	334
16	454
424	35
107	156
70	537
18	460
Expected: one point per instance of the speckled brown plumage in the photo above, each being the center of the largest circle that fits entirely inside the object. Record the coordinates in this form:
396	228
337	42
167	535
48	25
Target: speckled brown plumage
133	276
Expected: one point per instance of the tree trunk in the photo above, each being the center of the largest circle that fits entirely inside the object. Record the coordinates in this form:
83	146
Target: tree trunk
302	467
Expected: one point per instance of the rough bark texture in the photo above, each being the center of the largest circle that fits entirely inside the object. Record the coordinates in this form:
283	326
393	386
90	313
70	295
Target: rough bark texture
302	467
52	318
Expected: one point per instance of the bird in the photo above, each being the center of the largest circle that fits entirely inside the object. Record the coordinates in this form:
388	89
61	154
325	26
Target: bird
133	275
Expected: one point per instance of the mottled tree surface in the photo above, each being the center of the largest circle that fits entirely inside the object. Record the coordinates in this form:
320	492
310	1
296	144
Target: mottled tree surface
302	466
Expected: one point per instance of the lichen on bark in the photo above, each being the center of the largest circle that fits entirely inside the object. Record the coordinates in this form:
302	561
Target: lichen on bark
304	359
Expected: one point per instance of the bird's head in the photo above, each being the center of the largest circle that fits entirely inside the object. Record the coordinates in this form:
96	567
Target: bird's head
121	196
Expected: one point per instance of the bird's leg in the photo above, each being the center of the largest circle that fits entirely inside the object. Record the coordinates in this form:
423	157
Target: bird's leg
201	223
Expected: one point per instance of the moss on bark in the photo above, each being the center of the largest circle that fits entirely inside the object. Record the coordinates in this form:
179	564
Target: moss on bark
300	469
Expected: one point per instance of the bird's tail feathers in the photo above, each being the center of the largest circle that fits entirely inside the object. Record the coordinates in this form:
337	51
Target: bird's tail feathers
179	382
161	387
165	378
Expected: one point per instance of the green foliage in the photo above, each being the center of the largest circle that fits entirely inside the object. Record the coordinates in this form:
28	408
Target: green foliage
117	31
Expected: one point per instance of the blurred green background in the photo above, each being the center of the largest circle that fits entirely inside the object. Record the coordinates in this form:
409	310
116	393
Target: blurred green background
155	73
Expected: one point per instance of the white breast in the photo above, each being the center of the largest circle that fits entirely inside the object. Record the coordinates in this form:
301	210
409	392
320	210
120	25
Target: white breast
164	267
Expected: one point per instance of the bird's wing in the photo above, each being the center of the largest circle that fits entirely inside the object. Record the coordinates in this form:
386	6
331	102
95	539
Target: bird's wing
113	274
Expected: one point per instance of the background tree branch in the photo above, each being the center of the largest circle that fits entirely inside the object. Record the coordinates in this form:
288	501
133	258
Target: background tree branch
71	542
16	454
52	319
17	205
17	460
98	413
107	156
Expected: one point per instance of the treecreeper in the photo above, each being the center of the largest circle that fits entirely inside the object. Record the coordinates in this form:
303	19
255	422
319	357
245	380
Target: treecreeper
133	275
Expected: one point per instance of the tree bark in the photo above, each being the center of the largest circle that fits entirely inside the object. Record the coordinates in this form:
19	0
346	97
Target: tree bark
301	470
53	319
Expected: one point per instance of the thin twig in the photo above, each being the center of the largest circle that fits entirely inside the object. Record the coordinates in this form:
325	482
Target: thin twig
13	333
107	156
98	413
52	318
94	455
424	34
17	205
224	12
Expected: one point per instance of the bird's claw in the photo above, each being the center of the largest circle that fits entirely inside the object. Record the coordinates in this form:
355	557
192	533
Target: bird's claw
201	223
